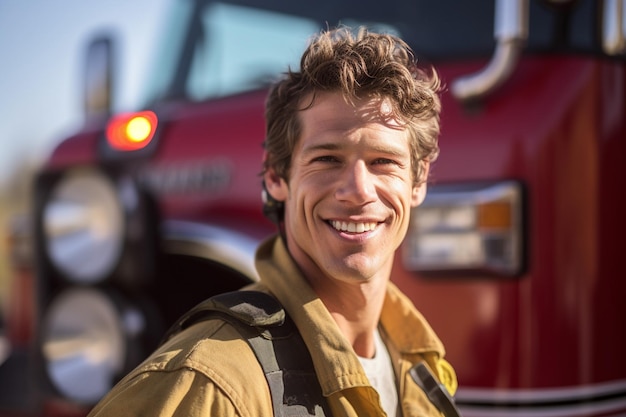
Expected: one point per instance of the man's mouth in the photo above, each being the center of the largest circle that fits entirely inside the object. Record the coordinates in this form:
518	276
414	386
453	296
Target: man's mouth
352	227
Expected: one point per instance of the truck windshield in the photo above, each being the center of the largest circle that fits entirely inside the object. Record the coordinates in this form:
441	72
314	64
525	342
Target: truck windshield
244	48
218	48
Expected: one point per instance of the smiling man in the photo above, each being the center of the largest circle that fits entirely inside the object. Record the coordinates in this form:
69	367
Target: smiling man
347	199
350	139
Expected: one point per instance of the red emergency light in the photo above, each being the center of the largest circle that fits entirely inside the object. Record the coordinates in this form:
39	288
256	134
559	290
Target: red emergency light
131	131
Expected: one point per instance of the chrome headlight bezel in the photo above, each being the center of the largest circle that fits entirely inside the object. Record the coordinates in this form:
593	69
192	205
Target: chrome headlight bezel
83	224
473	228
86	340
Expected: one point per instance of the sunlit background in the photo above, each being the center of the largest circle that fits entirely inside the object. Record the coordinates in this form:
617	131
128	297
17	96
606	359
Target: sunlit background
518	239
42	46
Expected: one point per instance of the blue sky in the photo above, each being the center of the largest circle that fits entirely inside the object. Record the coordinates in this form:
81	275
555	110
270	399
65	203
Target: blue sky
41	59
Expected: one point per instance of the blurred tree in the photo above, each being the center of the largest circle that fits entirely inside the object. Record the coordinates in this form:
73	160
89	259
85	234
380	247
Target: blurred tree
15	205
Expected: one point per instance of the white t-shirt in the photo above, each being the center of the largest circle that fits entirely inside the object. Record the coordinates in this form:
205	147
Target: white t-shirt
379	371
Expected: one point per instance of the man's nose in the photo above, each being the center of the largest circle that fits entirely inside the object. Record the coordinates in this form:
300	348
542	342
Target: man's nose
356	184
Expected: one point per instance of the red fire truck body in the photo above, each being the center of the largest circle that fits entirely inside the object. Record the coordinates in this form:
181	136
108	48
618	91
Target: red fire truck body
515	258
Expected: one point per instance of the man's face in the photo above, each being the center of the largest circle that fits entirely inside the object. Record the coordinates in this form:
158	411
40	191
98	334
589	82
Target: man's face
350	190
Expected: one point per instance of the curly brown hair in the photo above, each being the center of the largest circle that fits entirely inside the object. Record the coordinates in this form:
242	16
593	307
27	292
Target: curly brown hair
359	65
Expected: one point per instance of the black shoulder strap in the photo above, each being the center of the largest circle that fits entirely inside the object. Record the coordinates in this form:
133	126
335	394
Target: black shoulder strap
276	343
436	392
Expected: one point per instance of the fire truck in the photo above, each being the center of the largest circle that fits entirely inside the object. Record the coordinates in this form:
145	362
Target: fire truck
515	257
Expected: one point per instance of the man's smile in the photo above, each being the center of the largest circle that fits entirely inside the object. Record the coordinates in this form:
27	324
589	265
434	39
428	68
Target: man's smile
353	227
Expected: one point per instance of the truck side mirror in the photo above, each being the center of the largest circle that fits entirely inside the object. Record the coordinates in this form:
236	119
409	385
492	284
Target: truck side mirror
98	78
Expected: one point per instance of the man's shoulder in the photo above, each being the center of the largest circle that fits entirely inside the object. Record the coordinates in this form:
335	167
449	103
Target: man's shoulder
209	333
206	369
208	357
211	347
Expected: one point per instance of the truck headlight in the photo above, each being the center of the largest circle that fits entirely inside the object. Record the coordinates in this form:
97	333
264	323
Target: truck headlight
467	228
83	223
85	342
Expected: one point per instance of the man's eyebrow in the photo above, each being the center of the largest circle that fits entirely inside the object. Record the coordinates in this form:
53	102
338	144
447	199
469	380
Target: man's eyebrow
392	150
330	146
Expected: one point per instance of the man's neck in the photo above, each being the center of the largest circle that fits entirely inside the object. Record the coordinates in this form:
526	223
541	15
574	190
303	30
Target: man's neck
356	310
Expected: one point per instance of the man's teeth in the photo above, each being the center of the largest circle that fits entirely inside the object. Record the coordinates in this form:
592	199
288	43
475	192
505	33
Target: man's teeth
353	227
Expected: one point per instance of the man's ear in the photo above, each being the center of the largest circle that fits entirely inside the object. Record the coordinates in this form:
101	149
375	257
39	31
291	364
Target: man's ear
419	194
419	190
275	186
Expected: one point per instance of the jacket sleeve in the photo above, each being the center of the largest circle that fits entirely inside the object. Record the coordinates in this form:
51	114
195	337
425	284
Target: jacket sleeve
183	392
206	370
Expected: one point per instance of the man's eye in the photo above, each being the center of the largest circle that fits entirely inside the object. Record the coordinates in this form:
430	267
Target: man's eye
325	158
384	161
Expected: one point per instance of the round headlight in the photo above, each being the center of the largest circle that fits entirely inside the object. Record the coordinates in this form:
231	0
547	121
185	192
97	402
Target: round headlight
83	225
84	344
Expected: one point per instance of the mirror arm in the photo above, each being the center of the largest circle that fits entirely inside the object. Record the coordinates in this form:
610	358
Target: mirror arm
511	33
614	27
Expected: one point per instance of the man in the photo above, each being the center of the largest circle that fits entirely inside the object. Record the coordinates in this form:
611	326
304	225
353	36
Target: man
350	138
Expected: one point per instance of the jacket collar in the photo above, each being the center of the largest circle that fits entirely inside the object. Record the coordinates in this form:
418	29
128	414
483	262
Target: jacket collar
335	362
